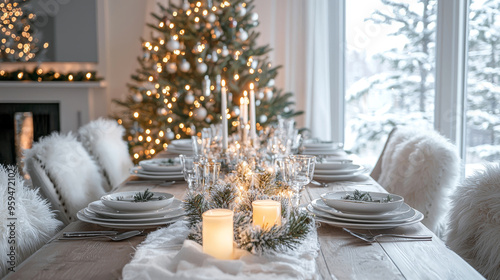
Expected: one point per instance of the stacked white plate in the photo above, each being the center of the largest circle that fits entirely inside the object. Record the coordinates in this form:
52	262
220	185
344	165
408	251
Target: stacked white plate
323	148
359	218
132	215
332	169
181	146
161	169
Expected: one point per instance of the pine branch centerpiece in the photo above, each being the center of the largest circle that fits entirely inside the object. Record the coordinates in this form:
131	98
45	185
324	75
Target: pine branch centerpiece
237	192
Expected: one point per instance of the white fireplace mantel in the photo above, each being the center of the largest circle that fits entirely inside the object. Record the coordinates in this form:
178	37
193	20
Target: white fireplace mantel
79	102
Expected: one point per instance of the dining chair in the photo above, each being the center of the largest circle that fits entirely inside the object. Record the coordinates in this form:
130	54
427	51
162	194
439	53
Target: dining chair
34	222
65	174
474	226
423	167
103	139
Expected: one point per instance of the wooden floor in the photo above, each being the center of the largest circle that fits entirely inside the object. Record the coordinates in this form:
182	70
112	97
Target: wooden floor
341	256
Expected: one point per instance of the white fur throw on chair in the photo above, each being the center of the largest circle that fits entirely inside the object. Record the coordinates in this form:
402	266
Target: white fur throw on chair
103	139
35	224
474	227
71	169
423	167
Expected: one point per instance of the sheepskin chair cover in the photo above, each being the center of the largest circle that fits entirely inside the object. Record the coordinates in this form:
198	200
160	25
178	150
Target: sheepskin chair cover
35	223
474	226
424	168
73	172
103	139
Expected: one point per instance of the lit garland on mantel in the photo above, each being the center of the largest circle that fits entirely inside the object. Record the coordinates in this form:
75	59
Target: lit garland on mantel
39	75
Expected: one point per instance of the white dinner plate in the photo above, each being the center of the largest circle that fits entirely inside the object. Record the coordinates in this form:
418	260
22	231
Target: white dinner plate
320	205
417	218
333	164
353	168
140	170
124	201
398	219
176	176
82	217
170	215
101	209
323	145
341	177
323	152
161	165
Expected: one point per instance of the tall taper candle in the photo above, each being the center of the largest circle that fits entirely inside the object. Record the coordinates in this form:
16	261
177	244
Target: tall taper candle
224	115
253	132
217	233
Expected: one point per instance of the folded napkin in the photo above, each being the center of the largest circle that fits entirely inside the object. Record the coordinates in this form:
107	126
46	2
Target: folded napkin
159	257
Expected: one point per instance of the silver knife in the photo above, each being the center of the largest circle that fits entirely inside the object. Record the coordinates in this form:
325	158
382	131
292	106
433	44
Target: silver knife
89	233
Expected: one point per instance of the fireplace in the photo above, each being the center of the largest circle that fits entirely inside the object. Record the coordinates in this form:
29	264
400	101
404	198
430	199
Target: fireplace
24	123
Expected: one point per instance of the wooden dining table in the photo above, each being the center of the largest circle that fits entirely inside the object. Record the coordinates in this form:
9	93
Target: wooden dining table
341	255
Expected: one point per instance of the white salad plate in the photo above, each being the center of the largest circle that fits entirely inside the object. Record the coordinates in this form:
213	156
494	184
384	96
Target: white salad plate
161	165
127	225
337	152
161	176
398	219
337	177
382	202
353	168
103	210
124	201
170	215
140	170
320	205
322	145
415	219
333	164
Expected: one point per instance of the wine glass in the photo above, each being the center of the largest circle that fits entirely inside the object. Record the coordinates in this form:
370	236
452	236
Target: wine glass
299	170
188	169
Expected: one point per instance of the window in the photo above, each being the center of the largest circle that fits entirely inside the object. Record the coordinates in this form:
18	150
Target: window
390	66
483	84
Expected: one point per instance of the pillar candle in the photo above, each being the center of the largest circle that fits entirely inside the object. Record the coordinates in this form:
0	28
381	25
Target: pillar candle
266	213
218	233
224	115
253	132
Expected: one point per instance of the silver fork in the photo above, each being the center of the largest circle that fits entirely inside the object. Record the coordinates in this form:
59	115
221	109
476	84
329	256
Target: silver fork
373	238
118	237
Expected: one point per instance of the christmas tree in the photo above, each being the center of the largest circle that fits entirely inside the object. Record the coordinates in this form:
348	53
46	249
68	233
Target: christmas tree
176	92
18	35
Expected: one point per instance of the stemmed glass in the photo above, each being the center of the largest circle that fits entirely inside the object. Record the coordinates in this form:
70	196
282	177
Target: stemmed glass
298	171
189	171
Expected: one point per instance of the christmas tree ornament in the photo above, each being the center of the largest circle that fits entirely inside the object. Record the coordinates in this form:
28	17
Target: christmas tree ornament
225	51
286	109
242	34
137	97
189	98
185	5
201	68
215	57
262	119
162	111
146	56
173	44
268	93
170	134
260	94
233	23
211	17
216	33
200	113
208	119
208	25
206	85
184	66
240	10
254	64
270	83
254	17
235	112
171	67
257	103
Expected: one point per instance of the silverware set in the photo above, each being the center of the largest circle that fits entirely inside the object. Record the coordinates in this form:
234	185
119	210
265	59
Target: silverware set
370	238
112	235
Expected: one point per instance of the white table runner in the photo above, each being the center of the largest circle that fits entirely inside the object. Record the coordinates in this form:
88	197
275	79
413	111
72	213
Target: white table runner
166	254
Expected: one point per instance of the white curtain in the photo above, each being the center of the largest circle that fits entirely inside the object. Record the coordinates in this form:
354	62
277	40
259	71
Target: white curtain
297	30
